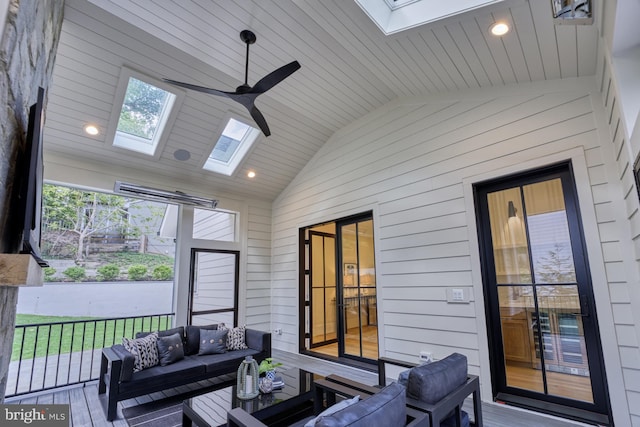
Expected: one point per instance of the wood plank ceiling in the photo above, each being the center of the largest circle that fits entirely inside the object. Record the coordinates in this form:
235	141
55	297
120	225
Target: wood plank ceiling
349	68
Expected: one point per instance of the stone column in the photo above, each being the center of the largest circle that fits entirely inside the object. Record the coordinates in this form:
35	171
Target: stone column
27	54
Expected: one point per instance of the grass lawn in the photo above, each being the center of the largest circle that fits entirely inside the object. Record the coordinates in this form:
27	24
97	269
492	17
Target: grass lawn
58	335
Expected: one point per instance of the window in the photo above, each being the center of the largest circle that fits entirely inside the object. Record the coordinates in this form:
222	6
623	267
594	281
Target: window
231	147
214	225
146	108
399	15
396	4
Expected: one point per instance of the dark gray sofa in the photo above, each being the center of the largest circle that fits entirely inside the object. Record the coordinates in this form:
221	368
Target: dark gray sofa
118	381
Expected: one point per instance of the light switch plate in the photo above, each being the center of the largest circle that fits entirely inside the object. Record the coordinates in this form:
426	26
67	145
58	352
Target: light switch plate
458	295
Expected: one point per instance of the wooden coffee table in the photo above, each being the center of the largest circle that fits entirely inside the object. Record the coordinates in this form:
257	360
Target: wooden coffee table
280	407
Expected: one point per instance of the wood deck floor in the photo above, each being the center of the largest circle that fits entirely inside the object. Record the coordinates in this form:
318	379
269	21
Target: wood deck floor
86	410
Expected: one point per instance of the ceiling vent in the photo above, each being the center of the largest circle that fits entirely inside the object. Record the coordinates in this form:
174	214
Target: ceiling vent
162	195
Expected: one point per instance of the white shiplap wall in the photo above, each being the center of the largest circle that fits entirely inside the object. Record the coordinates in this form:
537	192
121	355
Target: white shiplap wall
409	162
258	265
622	251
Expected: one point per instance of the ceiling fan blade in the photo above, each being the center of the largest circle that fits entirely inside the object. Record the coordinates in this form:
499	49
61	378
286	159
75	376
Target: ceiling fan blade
275	77
200	88
260	120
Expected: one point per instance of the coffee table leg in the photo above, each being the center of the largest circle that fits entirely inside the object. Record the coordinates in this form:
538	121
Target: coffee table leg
186	421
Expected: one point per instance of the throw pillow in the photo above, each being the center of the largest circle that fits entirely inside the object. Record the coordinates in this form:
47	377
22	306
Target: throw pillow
192	344
170	349
177	330
383	409
332	410
235	338
212	341
144	350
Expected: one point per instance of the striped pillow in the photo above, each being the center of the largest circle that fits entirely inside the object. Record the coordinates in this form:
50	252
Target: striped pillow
235	337
144	350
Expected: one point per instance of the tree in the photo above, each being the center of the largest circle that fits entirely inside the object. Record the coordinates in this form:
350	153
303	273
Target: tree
143	104
68	210
556	266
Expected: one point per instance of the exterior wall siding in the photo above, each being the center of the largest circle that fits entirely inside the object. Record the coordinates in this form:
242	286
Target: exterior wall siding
410	161
622	254
258	266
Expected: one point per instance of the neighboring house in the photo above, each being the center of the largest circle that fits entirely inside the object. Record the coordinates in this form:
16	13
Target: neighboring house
425	171
148	217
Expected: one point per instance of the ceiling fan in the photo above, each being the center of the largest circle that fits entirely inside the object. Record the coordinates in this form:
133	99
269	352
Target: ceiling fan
245	94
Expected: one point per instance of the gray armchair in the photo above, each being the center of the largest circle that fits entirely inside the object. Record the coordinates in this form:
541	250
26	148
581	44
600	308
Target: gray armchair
377	408
439	388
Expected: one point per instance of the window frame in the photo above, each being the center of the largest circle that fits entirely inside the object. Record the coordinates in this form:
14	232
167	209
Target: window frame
240	155
135	144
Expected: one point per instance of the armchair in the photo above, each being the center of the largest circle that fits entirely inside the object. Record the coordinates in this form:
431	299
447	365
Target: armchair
439	388
377	407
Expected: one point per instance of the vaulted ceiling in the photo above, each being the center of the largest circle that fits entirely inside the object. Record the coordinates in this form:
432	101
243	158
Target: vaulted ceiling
349	68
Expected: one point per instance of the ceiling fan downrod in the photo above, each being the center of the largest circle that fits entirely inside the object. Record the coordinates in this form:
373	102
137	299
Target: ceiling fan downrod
249	38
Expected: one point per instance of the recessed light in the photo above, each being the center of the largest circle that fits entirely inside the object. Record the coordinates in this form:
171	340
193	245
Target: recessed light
499	29
251	174
92	129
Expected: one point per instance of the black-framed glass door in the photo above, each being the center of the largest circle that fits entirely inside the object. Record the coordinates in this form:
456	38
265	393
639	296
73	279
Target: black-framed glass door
338	300
322	297
357	290
214	286
546	352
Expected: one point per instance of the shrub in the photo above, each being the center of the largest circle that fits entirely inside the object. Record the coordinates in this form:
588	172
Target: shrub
49	272
75	273
137	272
108	272
162	272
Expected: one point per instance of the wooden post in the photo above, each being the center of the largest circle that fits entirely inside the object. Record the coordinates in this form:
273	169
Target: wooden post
20	270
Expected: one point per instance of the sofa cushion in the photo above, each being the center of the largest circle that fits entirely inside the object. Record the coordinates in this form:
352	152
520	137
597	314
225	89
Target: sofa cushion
235	337
166	333
431	382
164	376
383	409
212	341
192	344
144	350
332	410
257	340
170	349
225	362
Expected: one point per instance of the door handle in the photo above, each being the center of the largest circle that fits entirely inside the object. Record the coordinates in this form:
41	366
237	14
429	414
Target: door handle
585	310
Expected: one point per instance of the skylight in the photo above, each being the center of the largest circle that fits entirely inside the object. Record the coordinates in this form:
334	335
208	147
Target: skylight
231	147
145	108
395	4
393	16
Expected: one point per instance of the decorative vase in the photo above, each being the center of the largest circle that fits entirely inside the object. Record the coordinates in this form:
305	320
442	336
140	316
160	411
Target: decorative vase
266	385
271	374
247	379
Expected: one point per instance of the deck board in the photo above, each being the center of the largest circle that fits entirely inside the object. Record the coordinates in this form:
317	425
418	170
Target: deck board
80	414
86	410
